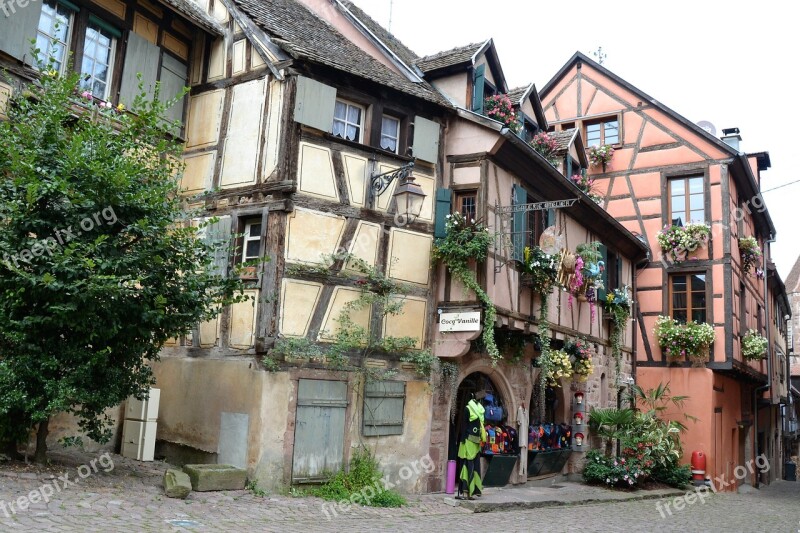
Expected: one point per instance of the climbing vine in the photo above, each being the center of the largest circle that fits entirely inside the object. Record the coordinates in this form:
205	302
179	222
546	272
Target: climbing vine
467	240
618	305
545	361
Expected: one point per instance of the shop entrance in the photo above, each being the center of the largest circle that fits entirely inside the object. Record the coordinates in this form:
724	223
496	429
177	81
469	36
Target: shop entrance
476	385
550	438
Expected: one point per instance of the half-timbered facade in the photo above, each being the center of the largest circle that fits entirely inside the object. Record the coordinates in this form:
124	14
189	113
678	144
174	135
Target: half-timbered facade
668	171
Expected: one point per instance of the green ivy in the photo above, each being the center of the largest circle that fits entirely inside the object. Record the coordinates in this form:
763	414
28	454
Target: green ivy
467	240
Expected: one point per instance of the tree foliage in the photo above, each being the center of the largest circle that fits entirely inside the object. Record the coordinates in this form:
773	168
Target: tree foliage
100	262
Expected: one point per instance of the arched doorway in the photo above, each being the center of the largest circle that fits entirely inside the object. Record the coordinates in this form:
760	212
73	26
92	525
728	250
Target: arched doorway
475	385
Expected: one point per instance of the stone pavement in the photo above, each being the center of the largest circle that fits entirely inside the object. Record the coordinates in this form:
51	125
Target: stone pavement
130	499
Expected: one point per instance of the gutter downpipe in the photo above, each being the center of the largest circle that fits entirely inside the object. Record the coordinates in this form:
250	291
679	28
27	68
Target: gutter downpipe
768	385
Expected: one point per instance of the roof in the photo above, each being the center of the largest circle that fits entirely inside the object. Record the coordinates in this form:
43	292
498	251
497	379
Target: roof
449	58
518	94
745	175
393	43
794	277
304	35
563	138
194	13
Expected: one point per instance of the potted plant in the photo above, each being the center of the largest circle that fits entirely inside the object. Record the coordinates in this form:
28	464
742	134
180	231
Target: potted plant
600	155
754	346
750	252
679	241
561	368
539	269
678	340
586	185
500	108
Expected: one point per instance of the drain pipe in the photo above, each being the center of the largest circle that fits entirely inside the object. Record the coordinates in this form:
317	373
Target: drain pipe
768	385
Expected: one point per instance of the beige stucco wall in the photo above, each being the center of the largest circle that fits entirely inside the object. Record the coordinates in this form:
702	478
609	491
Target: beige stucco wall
455	88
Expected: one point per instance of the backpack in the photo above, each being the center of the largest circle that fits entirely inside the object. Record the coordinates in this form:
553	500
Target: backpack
489	447
493	412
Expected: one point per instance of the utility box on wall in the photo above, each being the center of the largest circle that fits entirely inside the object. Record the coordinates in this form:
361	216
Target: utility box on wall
139	429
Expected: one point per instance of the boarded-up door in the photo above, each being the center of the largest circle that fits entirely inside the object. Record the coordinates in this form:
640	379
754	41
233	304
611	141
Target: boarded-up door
319	429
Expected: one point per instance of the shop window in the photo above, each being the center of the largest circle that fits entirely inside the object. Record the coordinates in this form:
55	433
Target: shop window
604	131
348	120
467	204
384	403
686	200
390	134
687	295
53	34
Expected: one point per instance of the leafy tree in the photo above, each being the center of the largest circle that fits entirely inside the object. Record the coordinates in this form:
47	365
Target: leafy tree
99	262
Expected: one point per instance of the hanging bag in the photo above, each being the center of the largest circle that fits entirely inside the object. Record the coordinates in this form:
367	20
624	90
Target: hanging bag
493	412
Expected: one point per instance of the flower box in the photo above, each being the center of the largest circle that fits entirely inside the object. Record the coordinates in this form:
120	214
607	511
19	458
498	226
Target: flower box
691	340
679	242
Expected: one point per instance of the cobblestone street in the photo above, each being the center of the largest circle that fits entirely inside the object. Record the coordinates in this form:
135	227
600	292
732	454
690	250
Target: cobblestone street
130	499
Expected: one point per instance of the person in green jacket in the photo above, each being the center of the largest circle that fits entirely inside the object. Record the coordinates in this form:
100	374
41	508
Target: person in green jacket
473	434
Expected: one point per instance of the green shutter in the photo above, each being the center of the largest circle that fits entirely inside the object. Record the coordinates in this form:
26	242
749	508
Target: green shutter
173	80
519	230
442	210
478	83
601	294
550	218
314	104
384	402
141	56
18	28
426	140
218	235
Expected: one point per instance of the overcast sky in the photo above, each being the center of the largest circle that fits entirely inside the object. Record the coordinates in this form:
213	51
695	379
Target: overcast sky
732	63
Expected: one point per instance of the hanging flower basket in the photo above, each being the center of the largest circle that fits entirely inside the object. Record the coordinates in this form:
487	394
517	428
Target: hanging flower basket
600	155
750	252
754	346
539	270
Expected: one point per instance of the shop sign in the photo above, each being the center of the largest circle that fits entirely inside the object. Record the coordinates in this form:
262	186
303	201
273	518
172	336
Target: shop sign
466	321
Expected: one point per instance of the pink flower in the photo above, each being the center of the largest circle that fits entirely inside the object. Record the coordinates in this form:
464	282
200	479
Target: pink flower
87	95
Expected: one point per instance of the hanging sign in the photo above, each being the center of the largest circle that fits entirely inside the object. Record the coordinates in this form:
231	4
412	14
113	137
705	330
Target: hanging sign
536	206
465	321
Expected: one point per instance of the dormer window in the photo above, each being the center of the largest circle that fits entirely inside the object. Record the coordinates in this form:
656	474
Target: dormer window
348	120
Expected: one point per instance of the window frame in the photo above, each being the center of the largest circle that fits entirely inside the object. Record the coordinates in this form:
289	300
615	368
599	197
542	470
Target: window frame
398	133
602	121
458	203
670	308
67	43
247	223
361	126
687	196
93	20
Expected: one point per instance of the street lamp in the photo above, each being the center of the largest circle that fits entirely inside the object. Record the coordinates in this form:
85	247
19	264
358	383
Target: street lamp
408	195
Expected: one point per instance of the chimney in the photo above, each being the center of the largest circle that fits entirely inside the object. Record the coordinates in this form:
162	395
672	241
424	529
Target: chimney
731	137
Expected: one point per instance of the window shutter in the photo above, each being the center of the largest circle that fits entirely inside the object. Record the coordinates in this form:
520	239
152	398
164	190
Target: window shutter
141	56
478	84
18	28
550	218
443	208
314	104
604	257
426	140
218	234
520	223
173	80
383	408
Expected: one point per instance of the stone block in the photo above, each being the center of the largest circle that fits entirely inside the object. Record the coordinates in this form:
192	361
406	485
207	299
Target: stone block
216	477
177	484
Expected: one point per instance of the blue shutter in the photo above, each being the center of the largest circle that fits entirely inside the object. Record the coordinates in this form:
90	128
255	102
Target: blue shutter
601	294
442	210
550	218
520	223
478	83
384	402
219	236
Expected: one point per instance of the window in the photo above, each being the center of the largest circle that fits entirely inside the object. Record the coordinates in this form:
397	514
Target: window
52	36
467	204
742	309
98	51
605	131
348	120
390	134
688	297
384	402
686	200
251	245
536	224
